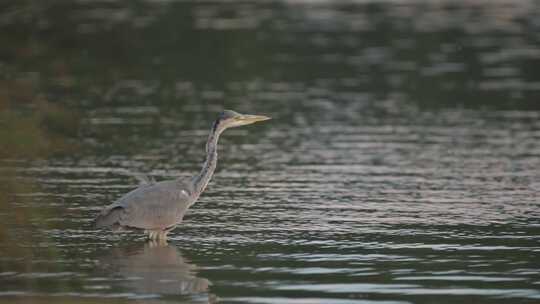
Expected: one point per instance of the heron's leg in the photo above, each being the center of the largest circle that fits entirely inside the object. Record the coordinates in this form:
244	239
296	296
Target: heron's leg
155	235
167	230
157	242
162	235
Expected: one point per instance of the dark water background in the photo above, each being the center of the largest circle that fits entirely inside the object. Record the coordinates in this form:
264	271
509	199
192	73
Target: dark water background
402	164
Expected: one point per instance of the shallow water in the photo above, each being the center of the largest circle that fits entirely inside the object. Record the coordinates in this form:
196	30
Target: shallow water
401	164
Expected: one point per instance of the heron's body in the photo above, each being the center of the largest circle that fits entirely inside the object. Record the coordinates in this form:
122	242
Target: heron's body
157	207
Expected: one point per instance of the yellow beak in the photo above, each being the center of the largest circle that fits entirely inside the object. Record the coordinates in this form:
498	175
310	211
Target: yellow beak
253	118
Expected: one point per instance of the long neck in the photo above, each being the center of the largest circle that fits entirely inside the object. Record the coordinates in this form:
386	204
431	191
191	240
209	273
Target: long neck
203	178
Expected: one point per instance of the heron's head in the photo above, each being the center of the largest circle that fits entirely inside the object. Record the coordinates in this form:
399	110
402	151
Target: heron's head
229	119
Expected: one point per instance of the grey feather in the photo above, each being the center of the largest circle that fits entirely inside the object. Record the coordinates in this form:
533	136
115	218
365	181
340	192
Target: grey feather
108	217
150	207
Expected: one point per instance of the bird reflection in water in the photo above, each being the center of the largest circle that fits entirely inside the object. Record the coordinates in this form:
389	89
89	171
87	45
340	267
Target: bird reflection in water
156	268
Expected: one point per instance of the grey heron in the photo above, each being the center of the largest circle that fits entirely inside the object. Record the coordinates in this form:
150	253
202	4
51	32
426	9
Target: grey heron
157	207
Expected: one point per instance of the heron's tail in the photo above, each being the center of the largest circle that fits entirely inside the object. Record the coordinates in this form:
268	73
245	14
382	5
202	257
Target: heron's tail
108	217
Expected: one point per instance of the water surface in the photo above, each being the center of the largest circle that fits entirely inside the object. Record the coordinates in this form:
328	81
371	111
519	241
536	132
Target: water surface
402	164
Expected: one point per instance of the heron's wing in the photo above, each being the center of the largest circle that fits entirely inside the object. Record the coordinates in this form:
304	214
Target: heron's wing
155	206
109	216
